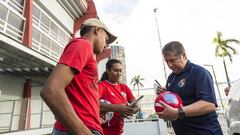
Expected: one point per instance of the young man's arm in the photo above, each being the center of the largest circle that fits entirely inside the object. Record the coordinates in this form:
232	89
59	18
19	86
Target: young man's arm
53	93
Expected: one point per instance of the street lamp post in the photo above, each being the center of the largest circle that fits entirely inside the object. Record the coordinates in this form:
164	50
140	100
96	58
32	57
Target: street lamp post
216	82
164	66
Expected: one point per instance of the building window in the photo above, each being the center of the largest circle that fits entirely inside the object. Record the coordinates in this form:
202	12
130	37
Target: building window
20	2
45	23
49	38
54	30
3	12
36	15
15	21
55	50
3	16
36	39
11	19
45	45
17	5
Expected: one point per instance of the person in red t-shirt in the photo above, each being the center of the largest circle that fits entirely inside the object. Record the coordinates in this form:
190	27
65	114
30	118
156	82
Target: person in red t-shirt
71	90
118	97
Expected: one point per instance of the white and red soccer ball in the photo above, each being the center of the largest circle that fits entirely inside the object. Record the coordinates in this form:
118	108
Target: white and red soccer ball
170	98
107	116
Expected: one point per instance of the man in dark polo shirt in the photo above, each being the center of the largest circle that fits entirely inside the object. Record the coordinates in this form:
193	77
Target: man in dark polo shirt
194	85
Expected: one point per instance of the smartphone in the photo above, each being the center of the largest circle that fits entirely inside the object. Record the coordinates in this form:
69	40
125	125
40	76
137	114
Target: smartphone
158	83
136	101
163	89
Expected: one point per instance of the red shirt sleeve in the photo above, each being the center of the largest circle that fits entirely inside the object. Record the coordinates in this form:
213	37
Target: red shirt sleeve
128	93
76	54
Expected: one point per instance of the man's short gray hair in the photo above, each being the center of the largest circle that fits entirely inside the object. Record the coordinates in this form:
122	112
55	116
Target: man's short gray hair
174	47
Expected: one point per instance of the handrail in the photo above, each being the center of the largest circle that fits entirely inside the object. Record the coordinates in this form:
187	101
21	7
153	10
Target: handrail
8	100
41	115
10	116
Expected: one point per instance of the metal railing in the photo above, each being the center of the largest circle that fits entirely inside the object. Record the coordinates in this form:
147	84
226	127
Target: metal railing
13	12
42	117
222	102
49	38
10	115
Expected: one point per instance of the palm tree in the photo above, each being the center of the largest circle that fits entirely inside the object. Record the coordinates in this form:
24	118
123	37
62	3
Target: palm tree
224	49
136	81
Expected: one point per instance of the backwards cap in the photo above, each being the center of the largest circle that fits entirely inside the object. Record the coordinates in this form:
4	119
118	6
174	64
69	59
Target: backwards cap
96	22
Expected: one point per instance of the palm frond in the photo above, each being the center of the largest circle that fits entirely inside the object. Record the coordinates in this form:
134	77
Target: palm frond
219	36
132	81
141	85
232	49
232	41
230	57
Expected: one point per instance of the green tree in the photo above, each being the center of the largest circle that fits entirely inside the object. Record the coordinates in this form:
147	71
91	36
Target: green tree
137	81
224	49
153	116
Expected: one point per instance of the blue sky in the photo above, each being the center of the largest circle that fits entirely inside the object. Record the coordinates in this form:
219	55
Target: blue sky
194	23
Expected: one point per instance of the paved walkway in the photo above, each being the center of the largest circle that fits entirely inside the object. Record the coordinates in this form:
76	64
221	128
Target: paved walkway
223	124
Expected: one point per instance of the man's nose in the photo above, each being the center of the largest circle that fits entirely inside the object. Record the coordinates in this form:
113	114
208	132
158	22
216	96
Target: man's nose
170	64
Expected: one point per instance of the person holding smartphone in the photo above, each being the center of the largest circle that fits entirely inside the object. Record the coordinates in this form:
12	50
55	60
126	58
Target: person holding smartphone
194	84
119	97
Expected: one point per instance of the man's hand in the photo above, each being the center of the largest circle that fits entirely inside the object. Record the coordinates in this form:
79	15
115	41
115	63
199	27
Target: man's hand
169	113
160	90
136	108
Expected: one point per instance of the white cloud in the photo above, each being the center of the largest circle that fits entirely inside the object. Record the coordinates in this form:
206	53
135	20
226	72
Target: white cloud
116	10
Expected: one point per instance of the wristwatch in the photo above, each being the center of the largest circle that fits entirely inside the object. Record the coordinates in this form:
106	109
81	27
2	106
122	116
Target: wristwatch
181	113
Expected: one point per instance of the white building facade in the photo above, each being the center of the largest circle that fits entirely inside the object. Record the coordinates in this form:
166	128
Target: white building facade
33	34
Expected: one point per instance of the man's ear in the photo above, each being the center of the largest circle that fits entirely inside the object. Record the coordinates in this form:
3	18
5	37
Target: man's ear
96	30
184	55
